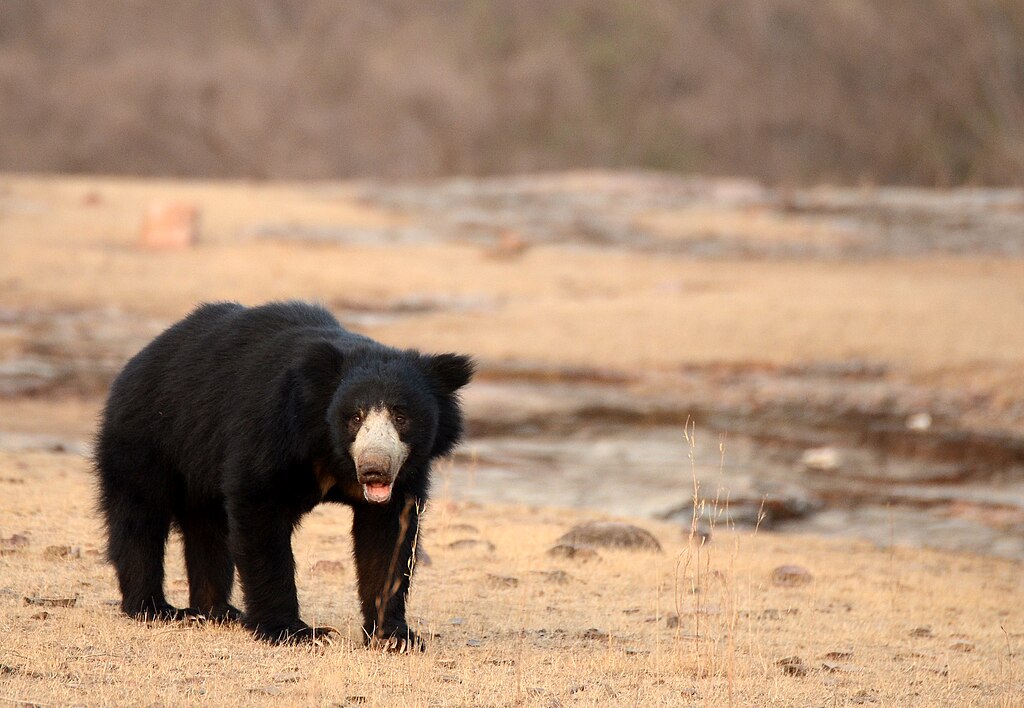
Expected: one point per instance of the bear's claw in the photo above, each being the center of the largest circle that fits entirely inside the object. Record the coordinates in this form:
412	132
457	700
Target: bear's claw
300	633
400	640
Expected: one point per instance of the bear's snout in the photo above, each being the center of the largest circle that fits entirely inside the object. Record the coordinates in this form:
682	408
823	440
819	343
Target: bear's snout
378	453
376	473
374	466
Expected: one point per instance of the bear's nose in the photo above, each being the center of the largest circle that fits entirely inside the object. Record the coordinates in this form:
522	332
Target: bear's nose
374	464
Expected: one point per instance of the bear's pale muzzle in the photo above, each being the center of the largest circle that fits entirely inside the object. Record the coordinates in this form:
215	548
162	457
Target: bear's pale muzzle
379	453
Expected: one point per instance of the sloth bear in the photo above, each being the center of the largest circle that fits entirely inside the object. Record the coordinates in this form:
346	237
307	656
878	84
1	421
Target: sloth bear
234	423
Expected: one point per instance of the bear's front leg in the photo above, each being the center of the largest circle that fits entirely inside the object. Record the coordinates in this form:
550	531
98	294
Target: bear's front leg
262	548
384	537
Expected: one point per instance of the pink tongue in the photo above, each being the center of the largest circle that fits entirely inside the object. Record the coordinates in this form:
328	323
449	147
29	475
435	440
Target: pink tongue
377	492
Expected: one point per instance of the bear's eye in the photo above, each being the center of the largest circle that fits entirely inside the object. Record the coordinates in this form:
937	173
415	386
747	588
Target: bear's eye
400	420
356	419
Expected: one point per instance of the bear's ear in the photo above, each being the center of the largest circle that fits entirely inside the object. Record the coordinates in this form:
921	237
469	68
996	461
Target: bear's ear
448	372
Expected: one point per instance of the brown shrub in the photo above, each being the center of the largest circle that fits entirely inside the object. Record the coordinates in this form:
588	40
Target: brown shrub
919	91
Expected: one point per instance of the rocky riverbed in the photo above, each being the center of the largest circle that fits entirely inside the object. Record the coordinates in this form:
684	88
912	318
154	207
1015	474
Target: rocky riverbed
830	450
711	352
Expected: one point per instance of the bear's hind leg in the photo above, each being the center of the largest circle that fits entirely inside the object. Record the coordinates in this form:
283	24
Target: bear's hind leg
136	541
137	510
211	571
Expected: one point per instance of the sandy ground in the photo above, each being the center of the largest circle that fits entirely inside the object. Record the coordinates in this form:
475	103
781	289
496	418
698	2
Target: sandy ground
932	317
875	626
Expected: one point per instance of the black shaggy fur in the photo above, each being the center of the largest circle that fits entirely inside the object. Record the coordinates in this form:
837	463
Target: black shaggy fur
228	424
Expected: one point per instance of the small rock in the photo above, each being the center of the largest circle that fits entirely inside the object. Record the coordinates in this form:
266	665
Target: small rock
169	226
672	621
834	655
266	690
791	576
62	552
423	558
792	666
919	422
821	459
511	244
863	696
355	700
41	615
52	601
465	543
18	540
962	646
611	534
328	566
701	532
559	577
503	581
573	551
456	621
473	643
921	632
288	677
594	633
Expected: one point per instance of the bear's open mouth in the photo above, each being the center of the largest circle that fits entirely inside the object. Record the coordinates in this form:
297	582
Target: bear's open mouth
377	493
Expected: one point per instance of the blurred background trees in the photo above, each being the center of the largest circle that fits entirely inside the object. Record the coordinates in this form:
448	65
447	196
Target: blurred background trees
787	91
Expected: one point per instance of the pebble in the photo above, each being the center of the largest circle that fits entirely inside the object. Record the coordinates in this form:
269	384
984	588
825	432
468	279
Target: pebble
169	226
465	543
328	566
503	581
792	666
573	551
821	459
791	576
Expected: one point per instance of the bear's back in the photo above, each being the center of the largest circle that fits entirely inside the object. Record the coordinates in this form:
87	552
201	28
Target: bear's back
196	389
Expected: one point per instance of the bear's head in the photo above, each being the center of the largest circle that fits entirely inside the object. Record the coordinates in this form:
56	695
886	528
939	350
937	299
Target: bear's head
392	412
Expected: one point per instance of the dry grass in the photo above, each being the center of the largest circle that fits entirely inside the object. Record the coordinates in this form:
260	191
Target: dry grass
526	641
514	626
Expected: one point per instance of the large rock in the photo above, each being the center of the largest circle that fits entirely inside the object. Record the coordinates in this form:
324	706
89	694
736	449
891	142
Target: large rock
610	534
747	504
169	226
791	576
